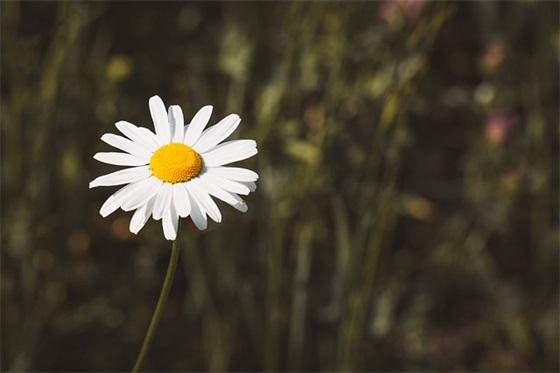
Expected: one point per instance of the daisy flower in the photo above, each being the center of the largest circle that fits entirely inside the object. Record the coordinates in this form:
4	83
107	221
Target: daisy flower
173	172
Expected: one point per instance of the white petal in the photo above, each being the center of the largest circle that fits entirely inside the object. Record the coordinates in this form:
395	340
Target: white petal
228	152
217	133
228	197
207	205
241	205
163	201
233	173
141	136
170	223
229	185
249	184
113	203
159	116
120	159
125	145
128	175
118	198
149	188
181	200
197	124
153	137
141	216
197	216
176	121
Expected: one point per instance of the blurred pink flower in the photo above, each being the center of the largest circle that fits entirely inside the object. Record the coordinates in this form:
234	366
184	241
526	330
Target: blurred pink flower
498	125
493	55
390	9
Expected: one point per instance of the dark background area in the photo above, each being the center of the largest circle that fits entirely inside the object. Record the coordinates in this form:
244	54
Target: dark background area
406	216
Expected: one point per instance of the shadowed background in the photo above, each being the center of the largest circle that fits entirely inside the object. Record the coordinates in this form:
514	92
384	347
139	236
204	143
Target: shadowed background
406	216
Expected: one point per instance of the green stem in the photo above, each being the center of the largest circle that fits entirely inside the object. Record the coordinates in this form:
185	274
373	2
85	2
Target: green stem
161	301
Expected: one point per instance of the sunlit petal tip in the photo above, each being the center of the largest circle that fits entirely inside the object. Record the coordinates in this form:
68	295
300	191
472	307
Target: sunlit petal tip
156	100
169	236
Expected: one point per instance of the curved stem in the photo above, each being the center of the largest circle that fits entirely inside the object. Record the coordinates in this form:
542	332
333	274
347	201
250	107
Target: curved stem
161	301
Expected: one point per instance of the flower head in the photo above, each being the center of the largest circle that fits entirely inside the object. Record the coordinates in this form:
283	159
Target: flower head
174	172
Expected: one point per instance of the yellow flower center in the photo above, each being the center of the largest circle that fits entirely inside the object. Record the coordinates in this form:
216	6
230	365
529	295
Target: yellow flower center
175	163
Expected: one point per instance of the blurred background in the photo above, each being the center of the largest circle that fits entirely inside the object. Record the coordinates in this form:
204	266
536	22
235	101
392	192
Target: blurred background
406	216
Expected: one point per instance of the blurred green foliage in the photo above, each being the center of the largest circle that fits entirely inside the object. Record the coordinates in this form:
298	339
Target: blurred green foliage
407	211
